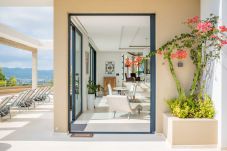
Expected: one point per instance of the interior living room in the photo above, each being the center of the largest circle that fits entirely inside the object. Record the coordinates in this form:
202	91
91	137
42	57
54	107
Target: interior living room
110	74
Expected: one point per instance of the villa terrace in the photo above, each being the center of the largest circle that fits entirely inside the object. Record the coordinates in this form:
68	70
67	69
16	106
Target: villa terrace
33	130
116	65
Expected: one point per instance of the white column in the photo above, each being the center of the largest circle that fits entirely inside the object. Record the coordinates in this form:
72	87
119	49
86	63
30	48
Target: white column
218	82
224	81
34	68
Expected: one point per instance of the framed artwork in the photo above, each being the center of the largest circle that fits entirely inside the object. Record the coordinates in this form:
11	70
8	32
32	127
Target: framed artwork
110	67
87	62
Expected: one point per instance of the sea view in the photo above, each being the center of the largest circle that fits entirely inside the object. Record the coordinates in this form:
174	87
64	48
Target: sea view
24	75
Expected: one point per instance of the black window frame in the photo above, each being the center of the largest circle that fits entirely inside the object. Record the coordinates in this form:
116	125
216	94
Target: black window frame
152	68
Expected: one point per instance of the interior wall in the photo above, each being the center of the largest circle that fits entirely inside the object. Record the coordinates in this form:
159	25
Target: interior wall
217	84
169	18
102	58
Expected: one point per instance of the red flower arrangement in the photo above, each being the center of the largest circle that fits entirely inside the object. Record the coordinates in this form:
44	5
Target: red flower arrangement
137	61
128	62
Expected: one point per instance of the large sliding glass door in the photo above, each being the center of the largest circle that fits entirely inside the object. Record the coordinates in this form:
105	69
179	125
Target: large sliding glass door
75	72
133	109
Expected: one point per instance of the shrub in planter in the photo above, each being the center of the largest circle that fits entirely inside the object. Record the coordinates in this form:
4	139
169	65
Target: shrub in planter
203	44
192	107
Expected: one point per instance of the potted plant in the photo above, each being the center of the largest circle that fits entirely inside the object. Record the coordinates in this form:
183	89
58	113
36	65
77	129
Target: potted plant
192	112
92	88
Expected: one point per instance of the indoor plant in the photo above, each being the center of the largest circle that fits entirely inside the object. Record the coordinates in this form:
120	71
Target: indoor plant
92	88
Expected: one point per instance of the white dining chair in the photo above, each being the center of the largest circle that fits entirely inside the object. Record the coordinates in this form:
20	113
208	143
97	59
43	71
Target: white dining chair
120	103
132	91
110	91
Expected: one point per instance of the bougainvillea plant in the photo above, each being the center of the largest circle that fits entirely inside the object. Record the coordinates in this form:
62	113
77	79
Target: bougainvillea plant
203	44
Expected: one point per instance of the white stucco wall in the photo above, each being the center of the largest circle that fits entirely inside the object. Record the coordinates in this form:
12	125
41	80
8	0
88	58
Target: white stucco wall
217	85
168	24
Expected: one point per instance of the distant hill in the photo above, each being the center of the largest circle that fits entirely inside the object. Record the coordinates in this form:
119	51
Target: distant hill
25	74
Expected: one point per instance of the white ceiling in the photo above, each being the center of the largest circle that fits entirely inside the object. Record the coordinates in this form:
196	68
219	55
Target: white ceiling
110	33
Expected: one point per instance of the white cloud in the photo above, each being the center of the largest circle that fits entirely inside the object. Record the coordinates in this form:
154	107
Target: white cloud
36	22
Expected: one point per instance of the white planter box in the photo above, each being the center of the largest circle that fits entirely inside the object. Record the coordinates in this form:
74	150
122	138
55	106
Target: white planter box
91	101
190	131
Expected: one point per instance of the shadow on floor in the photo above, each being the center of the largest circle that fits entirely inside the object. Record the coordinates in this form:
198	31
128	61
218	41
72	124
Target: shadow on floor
4	146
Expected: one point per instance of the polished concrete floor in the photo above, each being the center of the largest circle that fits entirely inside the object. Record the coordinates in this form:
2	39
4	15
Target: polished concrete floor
102	120
33	131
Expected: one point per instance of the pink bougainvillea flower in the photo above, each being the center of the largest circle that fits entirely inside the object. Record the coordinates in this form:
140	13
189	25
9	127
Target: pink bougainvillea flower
223	28
181	54
193	20
173	55
159	52
224	42
204	26
214	36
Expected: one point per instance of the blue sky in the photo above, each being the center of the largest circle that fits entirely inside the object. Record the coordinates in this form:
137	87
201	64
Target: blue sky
36	22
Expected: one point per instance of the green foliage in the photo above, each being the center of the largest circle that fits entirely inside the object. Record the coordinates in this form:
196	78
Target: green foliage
206	108
203	37
192	107
2	83
92	87
2	76
12	81
204	43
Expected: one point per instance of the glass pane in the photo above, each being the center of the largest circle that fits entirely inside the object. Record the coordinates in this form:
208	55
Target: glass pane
78	104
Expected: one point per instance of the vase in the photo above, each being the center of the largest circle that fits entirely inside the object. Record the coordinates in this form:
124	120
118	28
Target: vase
91	101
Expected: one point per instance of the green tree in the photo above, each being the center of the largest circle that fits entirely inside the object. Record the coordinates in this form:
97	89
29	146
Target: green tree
12	81
2	76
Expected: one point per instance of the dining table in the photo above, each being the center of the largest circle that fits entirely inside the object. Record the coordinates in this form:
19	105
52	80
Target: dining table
120	90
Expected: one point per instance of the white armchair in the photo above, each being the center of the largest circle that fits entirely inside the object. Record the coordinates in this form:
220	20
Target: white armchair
119	103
